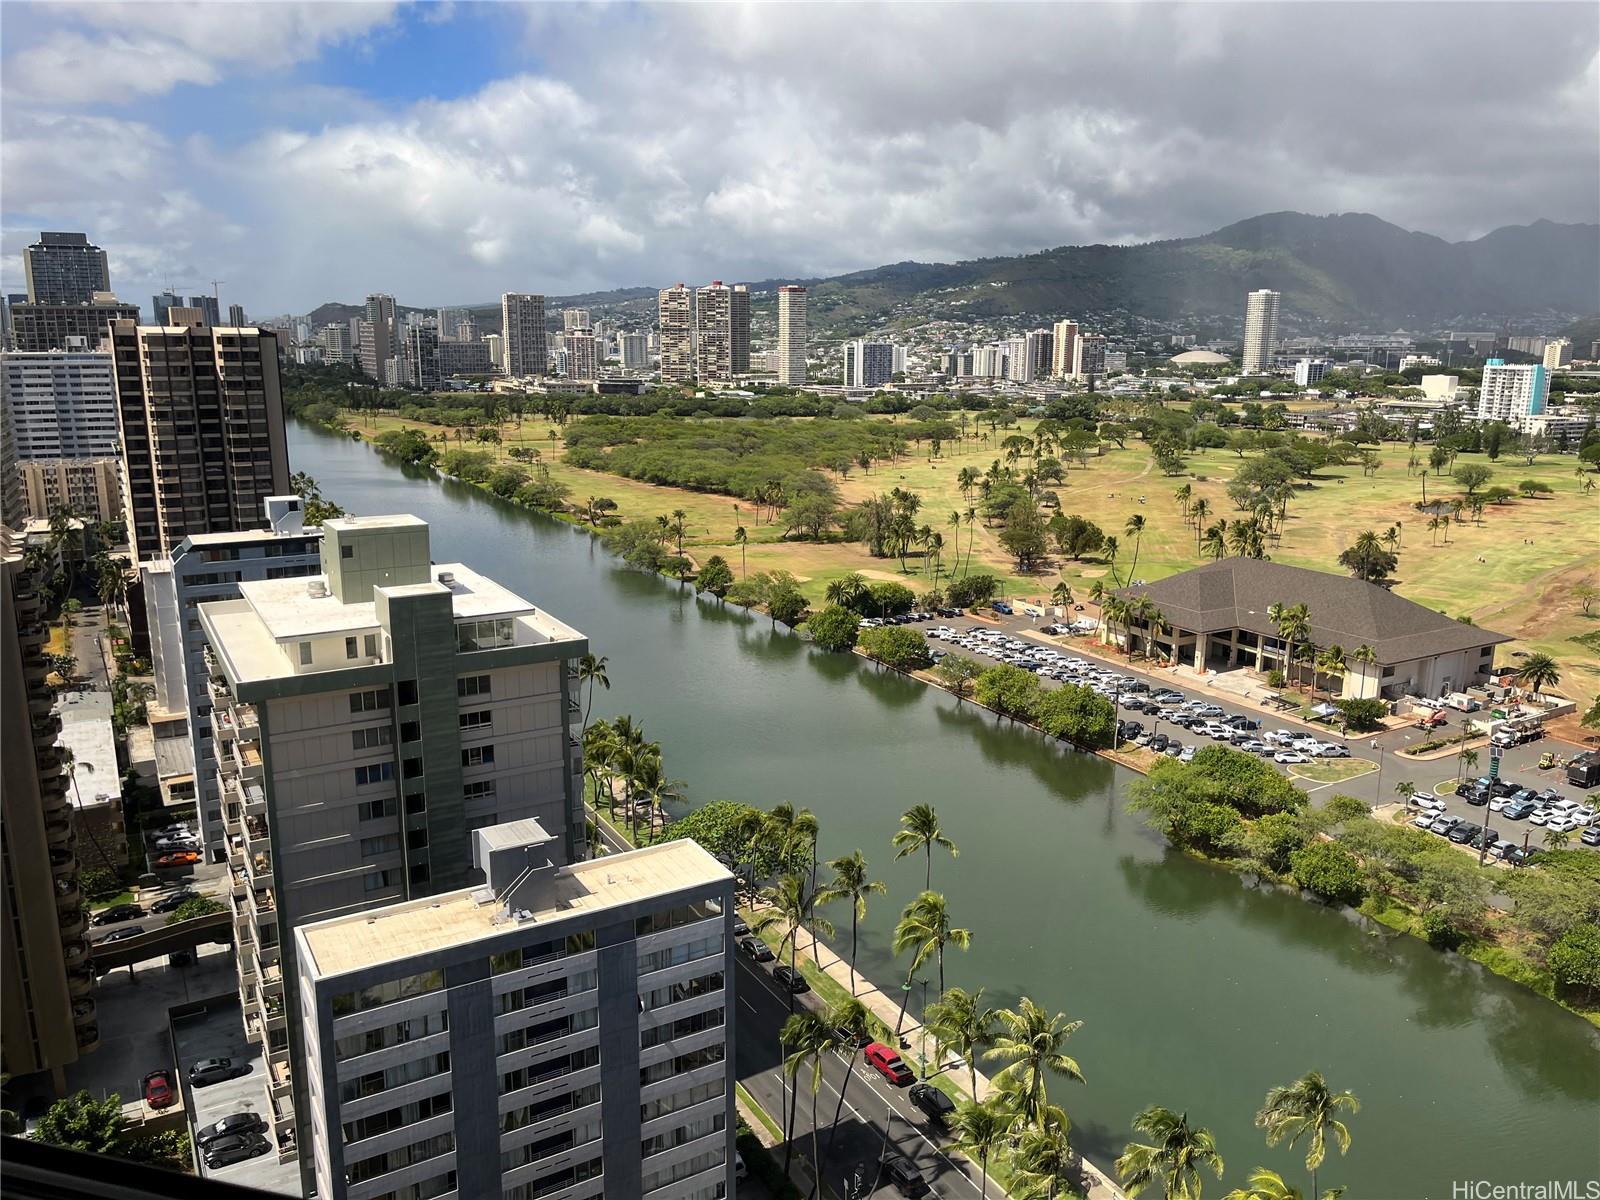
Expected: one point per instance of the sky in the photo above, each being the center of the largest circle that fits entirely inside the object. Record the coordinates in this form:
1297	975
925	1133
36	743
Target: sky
448	152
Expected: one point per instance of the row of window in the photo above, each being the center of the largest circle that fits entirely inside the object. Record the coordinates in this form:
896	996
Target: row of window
682	1136
672	918
532	1114
376	1082
387	992
673	956
372	1040
390	1119
538	952
673	1101
548	1185
492	634
685	989
547	1031
681	1028
549	1068
682	1065
682	1170
401	1156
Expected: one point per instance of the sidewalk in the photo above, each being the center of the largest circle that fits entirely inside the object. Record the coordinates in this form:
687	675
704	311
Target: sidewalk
1096	1184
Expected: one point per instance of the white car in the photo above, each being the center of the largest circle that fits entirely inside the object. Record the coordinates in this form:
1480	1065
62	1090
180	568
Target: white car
1584	814
1425	820
1498	804
1540	816
1560	822
1427	802
1289	756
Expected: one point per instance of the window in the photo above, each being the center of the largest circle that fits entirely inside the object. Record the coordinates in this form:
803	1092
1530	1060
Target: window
410	731
370	645
374	773
347	551
417	839
416	802
479	789
411	768
366	739
486	635
482	719
350	647
477	756
472	685
305	654
375	810
384	1036
377	881
372	701
406	690
388	843
419	873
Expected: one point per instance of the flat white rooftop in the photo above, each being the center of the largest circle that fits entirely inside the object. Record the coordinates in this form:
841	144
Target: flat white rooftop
86	731
416	928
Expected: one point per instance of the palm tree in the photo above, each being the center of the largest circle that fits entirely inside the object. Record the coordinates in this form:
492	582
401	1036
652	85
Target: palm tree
740	537
1134	529
1269	1185
848	590
961	1022
1464	760
850	883
1175	1156
1215	542
1405	789
924	928
1043	1158
978	1130
920	830
1556	839
1331	662
1363	655
1182	494
1029	1042
1307	1108
1108	551
848	1020
1198	512
794	831
1061	594
807	1037
788	901
1538	672
971	518
592	670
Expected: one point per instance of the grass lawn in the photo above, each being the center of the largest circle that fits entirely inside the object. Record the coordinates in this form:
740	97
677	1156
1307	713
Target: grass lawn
1515	571
1336	771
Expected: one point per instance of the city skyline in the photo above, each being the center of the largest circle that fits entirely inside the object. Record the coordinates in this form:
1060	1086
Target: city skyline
513	173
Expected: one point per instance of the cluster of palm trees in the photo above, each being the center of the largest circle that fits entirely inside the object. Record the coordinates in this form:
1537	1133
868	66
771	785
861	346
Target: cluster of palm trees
1018	1118
58	560
1142	611
1241	538
618	757
1178	1153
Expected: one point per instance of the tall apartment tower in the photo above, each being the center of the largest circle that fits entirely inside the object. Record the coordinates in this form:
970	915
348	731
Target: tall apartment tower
210	309
1558	354
47	1018
379	336
58	326
335	342
366	720
713	332
201	414
522	326
1063	346
792	336
1512	393
1089	356
450	320
868	364
1260	331
739	329
634	349
676	310
236	316
207	567
161	304
585	1011
65	268
422	357
1038	347
63	403
583	354
574	319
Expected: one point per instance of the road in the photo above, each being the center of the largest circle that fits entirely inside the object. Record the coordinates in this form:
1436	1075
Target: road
1519	764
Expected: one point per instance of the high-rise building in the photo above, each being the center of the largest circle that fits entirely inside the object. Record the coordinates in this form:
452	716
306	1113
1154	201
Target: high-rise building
422	358
675	306
13	506
206	567
721	331
634	350
90	488
47	1018
210	309
868	364
466	358
1558	354
57	326
497	350
161	304
1309	371
792	336
574	319
465	331
739	328
1038	348
583	354
236	316
450	321
65	268
1089	356
1533	344
585	1011
1063	348
1019	366
1512	393
379	337
368	719
335	341
522	325
201	414
63	403
1260	331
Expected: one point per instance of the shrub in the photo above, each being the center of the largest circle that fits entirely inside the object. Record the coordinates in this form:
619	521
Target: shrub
1077	714
971	590
1275	678
1441	930
1329	871
789	606
1008	690
97	883
1575	960
1362	715
200	906
895	646
1274	839
888	599
834	628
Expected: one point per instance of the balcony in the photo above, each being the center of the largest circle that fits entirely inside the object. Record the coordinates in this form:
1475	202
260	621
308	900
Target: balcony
68	895
248	721
262	904
255	800
73	923
88	1038
272	1011
253	1033
83	1011
80	981
75	952
58	833
63	864
34	636
280	1081
41	700
49	759
221	694
247	761
46	729
222	727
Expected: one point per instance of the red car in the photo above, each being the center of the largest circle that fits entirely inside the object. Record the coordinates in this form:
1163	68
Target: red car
178	858
888	1064
158	1090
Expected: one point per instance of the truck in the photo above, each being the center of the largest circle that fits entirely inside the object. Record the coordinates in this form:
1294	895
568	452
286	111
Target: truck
1462	702
1584	770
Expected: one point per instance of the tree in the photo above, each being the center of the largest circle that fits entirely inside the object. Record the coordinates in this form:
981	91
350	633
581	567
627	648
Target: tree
971	591
1307	1108
1329	871
1368	560
807	1038
978	1129
1010	691
741	538
1362	715
958	673
1269	1185
1274	839
924	928
1061	595
1078	715
1023	535
1043	1159
1472	476
848	1020
715	577
960	1021
1586	594
895	646
200	906
591	671
1075	536
850	883
788	902
848	591
1174	1157
1538	671
1134	529
1029	1041
835	627
920	831
1574	961
80	1122
811	513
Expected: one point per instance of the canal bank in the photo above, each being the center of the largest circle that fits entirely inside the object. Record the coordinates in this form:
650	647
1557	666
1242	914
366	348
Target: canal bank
1197	992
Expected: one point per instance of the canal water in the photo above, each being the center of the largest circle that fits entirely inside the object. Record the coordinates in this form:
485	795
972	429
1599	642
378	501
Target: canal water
1196	992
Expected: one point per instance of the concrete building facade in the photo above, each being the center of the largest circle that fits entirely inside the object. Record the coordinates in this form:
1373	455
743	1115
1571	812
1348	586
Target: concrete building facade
422	358
1063	348
1512	394
722	331
337	344
1558	354
90	488
201	416
63	403
585	1010
868	364
675	308
58	326
65	268
1260	331
634	351
583	354
1089	356
792	336
366	720
522	326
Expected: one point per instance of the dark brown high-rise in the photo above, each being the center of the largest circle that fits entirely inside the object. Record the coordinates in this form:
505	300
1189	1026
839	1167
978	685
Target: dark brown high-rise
201	413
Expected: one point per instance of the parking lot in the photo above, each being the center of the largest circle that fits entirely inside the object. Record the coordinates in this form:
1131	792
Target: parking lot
219	1033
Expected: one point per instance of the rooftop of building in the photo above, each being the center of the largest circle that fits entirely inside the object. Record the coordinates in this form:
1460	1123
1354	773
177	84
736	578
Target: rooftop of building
86	731
416	928
1200	357
1235	593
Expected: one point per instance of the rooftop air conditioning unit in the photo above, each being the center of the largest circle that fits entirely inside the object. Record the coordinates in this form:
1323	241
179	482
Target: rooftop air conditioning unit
447	577
316	589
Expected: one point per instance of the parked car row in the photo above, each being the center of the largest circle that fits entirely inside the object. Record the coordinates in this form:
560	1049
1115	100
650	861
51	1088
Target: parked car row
1470	833
910	618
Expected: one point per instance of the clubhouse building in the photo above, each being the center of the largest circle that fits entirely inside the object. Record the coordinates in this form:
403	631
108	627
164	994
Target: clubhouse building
1215	618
